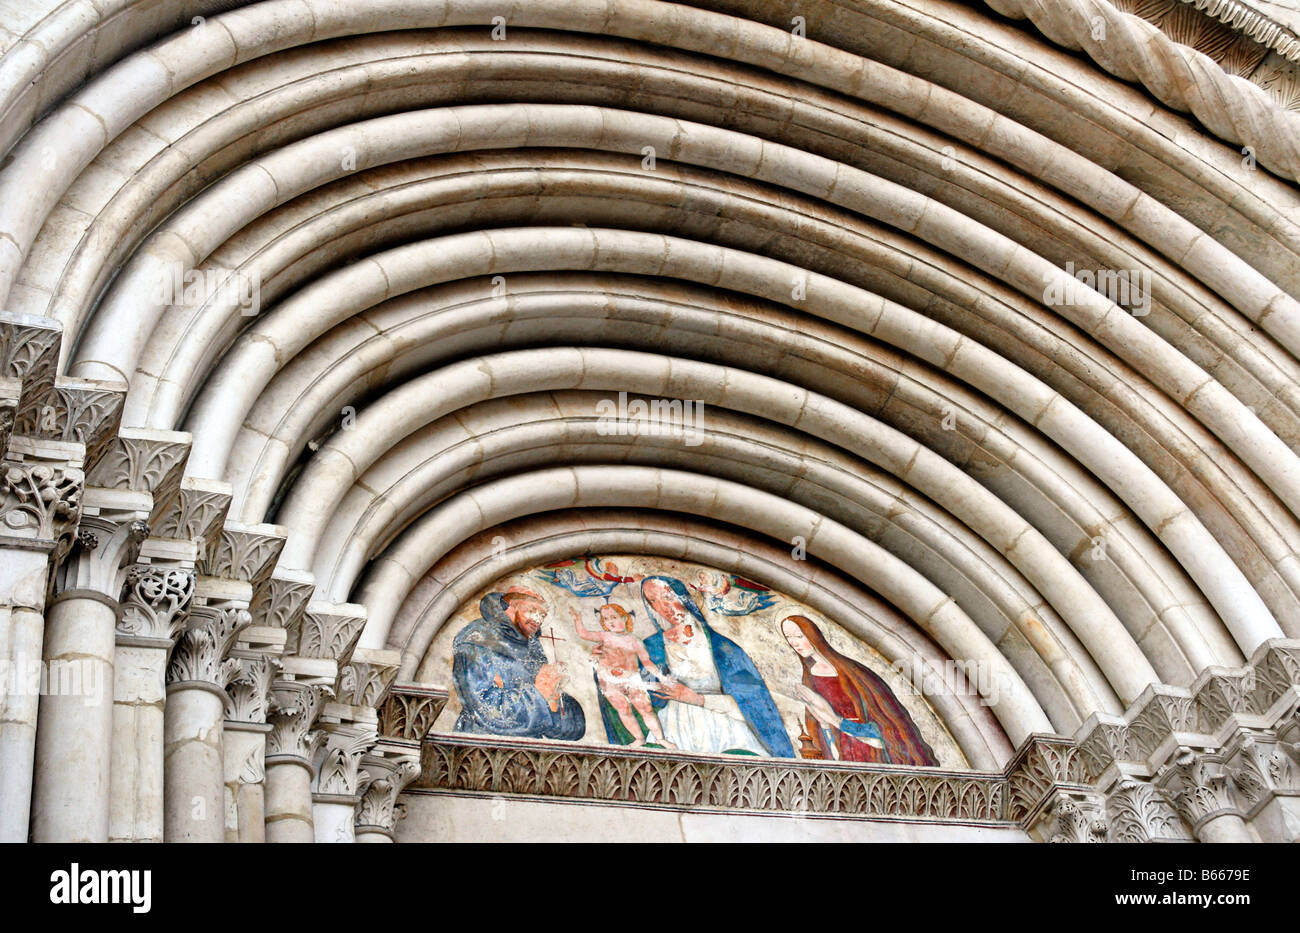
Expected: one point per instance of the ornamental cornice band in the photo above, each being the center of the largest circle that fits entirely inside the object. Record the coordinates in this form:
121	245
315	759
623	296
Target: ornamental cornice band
648	779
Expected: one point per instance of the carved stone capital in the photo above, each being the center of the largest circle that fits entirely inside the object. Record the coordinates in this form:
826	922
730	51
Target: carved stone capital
105	545
330	631
243	552
1139	812
154	601
200	653
1074	816
294	708
281	601
40	503
410	711
379	810
143	460
1198	786
338	766
248	695
196	513
365	680
1262	766
1043	765
82	411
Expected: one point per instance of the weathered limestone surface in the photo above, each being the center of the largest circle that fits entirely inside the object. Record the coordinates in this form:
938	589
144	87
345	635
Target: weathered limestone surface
312	315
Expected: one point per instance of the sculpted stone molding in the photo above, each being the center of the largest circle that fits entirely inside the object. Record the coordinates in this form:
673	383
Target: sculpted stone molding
200	652
295	706
614	774
410	711
1182	77
154	601
379	809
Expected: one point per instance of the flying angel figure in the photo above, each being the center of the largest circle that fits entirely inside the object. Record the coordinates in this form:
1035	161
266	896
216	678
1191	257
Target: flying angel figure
730	595
592	577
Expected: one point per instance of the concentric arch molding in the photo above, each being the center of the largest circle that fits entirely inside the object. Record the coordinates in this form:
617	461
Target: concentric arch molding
554	771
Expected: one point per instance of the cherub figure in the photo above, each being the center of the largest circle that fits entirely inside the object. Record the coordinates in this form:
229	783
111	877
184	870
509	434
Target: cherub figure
615	658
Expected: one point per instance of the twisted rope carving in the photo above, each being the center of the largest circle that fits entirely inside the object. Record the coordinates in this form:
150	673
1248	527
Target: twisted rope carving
1182	78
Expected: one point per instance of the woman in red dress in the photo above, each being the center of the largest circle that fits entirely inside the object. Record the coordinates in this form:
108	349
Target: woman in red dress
852	715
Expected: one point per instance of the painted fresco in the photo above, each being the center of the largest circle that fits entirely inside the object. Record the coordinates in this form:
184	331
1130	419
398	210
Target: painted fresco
655	653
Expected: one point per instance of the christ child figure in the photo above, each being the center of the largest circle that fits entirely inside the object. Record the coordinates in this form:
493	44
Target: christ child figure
615	658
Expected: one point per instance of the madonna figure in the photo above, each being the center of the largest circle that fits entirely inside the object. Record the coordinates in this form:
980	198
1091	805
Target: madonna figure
710	697
851	714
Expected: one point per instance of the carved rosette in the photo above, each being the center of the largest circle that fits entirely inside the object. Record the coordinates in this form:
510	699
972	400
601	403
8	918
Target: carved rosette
248	696
154	601
1139	812
379	809
200	653
41	501
338	772
410	712
294	709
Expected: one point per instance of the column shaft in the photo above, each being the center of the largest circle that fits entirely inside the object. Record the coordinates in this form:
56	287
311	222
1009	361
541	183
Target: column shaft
194	793
288	801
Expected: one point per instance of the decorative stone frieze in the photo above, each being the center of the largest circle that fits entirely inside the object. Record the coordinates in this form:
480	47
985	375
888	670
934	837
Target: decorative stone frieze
455	763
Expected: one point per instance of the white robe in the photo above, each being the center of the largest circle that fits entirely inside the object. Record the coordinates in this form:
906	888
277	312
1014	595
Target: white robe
718	725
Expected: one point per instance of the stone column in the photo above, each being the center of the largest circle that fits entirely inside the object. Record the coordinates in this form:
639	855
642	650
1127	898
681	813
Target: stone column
339	780
1202	793
244	751
153	610
40	504
290	749
74	733
379	810
196	702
